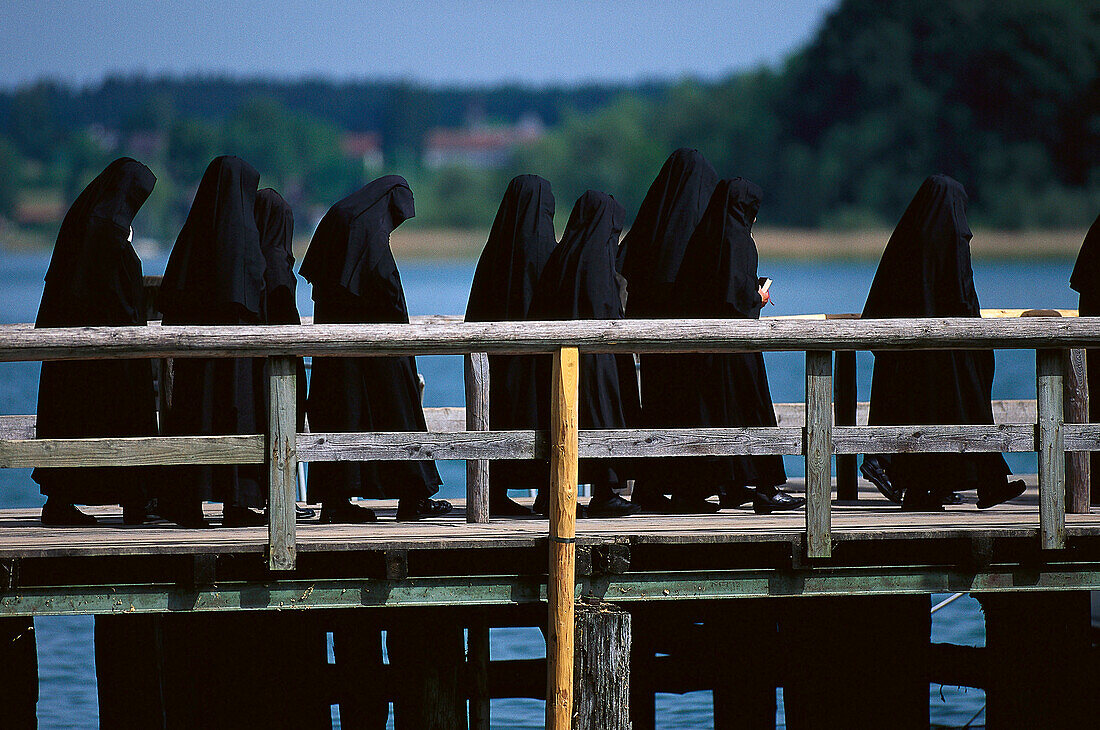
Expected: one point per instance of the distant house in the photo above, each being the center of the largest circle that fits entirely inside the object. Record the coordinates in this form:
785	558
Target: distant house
146	144
480	147
363	146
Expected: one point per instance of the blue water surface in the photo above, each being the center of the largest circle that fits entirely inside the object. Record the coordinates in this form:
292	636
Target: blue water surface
67	671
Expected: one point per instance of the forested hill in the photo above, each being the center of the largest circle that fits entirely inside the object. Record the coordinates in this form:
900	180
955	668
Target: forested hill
1002	94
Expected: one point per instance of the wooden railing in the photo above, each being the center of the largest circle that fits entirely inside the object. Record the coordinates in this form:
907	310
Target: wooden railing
821	436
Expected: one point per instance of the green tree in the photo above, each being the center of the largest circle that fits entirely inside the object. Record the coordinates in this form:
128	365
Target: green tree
11	177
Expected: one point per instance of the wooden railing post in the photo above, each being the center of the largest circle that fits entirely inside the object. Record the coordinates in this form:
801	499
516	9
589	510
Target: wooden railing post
1049	438
844	414
819	452
282	462
1076	394
561	582
477	419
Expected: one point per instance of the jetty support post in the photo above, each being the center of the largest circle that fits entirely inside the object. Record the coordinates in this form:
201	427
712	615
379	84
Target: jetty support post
282	462
602	668
844	414
1050	444
1076	395
477	419
561	580
819	452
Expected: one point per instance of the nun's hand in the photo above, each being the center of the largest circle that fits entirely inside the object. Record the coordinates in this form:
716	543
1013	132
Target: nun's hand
764	296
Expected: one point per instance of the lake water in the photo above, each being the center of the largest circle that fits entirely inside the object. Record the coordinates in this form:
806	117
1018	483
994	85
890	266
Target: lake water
67	671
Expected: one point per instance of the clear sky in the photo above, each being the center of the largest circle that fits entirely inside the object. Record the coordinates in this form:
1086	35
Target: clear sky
433	41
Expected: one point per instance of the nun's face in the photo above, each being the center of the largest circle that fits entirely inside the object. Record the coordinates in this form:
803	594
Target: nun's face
130	238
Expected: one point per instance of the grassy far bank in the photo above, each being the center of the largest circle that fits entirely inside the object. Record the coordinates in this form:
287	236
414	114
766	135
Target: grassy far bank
784	243
787	243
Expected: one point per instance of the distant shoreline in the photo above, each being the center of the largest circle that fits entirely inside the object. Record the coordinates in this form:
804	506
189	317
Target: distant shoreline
774	243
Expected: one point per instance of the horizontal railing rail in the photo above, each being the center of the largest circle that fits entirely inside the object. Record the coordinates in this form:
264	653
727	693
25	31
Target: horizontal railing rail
596	336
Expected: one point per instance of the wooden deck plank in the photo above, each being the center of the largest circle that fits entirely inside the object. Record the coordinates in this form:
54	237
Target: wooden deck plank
872	518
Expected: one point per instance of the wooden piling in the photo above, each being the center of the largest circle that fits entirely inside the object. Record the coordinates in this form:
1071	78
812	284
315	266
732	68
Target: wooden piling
844	414
357	650
1076	397
881	641
601	668
477	664
1050	443
428	659
19	662
282	462
561	581
819	452
1039	658
477	419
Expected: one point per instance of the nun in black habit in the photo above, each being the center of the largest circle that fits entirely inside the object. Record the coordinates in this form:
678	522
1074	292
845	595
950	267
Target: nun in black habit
925	272
650	257
519	244
215	276
95	278
1085	280
275	224
579	282
717	278
355	280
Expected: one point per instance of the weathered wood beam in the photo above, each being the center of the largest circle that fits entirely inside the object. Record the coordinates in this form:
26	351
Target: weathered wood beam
819	451
136	451
476	379
628	335
1076	397
282	462
1050	367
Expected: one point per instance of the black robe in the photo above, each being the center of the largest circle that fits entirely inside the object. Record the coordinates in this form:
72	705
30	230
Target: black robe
650	257
654	246
925	272
1085	280
215	276
579	282
716	279
519	244
94	279
355	280
275	224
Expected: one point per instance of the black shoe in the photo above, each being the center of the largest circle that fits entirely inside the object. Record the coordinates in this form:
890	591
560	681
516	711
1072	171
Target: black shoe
304	513
410	510
346	513
922	503
190	515
506	507
736	497
58	514
613	506
693	506
137	513
242	517
873	472
952	499
542	509
1000	494
764	504
653	503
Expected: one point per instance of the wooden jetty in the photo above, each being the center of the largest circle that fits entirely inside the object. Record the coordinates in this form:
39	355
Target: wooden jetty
857	565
